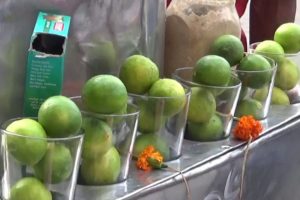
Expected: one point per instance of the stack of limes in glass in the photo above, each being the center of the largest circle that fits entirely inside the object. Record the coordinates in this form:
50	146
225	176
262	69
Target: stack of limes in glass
104	98
42	145
159	99
212	73
254	71
284	50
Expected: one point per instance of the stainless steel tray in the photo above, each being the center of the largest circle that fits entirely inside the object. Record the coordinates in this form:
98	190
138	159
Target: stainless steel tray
199	159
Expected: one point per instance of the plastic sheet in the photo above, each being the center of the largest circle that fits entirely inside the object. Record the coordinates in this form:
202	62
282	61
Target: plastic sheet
103	33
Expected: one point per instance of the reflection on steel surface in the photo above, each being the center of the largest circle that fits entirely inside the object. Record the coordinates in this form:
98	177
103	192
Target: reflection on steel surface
232	189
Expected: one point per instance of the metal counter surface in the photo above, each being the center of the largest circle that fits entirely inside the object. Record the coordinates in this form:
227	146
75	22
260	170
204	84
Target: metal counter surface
213	169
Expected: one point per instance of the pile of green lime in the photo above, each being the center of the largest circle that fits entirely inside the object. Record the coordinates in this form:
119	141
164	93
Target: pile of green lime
101	161
255	71
158	99
285	45
213	74
52	162
102	96
286	41
287	75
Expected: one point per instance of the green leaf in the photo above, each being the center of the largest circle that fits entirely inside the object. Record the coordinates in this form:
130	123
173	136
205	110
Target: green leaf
156	164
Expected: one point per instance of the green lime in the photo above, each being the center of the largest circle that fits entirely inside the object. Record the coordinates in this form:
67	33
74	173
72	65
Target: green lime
173	95
249	107
270	49
212	70
202	105
279	97
288	35
151	118
144	140
60	116
29	188
104	94
56	166
28	151
103	170
100	57
98	138
287	75
138	73
208	131
229	47
254	71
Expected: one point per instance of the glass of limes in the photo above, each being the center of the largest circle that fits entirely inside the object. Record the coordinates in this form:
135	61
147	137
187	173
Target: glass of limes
162	103
163	113
257	74
108	142
212	103
37	165
286	89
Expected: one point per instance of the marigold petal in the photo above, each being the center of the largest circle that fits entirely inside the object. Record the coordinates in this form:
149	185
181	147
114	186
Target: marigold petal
247	127
143	161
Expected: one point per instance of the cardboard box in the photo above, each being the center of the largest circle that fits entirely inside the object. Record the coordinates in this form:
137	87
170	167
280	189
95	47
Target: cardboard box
45	64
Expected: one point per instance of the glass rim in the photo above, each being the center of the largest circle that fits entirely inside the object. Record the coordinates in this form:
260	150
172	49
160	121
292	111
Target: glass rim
79	135
274	65
194	84
85	111
275	54
256	71
146	96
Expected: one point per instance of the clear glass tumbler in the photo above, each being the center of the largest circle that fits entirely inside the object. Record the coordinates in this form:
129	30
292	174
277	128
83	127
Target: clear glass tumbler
108	144
39	168
256	92
287	76
211	109
161	123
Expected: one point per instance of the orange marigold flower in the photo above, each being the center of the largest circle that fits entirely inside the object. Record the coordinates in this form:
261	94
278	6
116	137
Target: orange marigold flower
247	127
149	154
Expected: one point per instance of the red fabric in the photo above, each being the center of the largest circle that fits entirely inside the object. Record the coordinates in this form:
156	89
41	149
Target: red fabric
241	6
267	15
244	40
168	2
